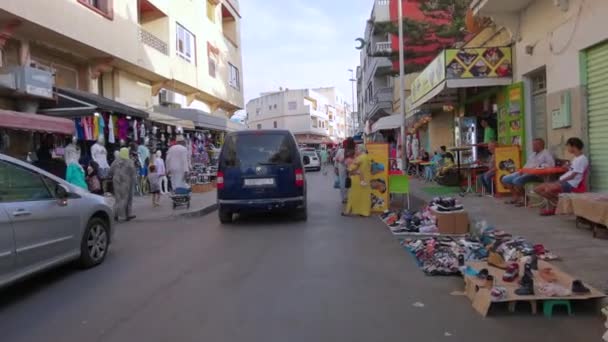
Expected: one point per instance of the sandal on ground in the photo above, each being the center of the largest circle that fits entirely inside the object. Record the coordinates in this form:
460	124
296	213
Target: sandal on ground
510	202
520	205
547	212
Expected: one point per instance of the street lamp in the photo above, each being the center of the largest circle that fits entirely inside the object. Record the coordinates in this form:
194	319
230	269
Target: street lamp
352	104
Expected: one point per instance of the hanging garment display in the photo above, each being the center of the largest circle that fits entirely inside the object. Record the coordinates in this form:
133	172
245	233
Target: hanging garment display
123	128
95	127
135	138
111	124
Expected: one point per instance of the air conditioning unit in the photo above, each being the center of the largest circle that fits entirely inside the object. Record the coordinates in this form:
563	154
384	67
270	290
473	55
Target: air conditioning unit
27	80
167	98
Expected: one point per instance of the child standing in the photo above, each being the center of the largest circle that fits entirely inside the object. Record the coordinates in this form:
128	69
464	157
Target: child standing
154	180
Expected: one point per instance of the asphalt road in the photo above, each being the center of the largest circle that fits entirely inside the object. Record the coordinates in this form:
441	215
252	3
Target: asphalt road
263	279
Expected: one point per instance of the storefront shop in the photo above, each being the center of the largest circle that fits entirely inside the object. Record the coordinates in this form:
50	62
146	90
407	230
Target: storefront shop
36	138
469	85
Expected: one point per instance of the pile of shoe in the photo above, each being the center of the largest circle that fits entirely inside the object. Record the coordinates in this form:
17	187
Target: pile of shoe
446	205
506	249
444	256
410	222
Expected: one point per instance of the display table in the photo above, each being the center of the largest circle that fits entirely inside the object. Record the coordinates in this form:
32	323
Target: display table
479	294
589	207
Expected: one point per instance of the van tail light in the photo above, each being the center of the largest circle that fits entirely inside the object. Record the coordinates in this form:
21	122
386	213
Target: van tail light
299	178
219	181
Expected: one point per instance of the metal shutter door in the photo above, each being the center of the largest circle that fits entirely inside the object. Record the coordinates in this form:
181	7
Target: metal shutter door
597	86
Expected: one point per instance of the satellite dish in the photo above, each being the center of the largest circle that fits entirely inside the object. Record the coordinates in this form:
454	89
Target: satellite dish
362	43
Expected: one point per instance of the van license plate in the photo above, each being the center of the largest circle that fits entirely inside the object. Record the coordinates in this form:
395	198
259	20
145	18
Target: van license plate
259	181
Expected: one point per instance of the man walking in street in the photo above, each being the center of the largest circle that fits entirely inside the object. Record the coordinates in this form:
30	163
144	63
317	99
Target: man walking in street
178	163
539	158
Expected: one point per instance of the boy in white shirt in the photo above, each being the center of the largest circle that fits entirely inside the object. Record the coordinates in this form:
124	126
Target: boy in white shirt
570	180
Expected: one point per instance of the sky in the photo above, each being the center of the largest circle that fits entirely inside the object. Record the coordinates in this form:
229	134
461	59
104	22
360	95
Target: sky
300	43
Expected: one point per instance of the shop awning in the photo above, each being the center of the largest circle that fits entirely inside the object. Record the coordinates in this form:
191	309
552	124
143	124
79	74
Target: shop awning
388	122
462	68
74	103
171	120
35	122
200	118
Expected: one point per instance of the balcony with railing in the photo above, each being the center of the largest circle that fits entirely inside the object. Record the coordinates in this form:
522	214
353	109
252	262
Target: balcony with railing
153	41
381	102
383	48
381	12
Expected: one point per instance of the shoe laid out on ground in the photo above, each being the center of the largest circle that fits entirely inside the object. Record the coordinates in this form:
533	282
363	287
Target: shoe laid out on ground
512	273
498	293
446	204
547	275
526	282
547	212
553	290
526	289
579	288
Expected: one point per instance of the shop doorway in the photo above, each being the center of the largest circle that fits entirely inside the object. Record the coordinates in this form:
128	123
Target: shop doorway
538	82
597	93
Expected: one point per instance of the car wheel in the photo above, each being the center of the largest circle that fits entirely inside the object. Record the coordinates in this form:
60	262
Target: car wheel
225	216
302	214
95	243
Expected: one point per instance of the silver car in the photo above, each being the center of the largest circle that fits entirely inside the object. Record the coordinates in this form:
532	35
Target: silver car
45	222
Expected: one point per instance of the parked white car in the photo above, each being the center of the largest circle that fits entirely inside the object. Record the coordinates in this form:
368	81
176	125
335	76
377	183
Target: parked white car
315	161
45	222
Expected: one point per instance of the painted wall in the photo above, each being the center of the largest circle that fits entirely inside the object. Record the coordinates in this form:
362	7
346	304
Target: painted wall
557	39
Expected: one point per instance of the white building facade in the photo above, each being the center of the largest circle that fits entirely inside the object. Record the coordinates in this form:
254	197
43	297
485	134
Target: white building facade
314	116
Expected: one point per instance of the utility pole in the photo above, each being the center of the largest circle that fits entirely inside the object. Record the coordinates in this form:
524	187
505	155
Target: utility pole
352	105
403	113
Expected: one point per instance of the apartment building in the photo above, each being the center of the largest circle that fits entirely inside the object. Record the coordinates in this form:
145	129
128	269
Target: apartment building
130	50
375	74
561	57
315	116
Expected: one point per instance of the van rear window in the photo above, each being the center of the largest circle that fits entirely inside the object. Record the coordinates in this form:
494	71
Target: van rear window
252	150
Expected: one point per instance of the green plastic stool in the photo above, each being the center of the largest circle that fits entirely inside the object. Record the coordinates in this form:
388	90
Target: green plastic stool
549	304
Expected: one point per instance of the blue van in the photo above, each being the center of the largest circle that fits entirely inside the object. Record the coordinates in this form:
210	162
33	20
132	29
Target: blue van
261	171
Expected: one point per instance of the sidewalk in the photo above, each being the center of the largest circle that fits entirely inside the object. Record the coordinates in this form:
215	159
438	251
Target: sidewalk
581	255
200	204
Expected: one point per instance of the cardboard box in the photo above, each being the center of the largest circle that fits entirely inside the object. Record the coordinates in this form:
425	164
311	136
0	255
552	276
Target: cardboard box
452	223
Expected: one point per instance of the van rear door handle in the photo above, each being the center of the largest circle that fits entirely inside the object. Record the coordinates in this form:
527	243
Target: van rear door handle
21	212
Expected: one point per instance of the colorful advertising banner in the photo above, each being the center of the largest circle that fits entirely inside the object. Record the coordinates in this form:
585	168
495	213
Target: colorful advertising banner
489	62
463	64
379	182
511	116
429	78
507	161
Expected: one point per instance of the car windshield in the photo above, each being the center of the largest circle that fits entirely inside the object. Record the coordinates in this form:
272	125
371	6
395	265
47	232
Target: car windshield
252	150
310	154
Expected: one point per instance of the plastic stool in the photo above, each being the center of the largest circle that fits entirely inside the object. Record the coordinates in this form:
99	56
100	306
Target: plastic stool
548	306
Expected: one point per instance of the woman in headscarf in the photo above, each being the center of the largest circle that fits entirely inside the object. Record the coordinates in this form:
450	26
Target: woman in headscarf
124	175
359	197
343	158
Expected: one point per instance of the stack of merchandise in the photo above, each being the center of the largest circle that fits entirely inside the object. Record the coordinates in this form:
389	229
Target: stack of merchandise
422	221
445	256
505	248
446	205
410	222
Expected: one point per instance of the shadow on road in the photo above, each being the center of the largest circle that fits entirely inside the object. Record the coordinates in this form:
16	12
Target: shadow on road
30	286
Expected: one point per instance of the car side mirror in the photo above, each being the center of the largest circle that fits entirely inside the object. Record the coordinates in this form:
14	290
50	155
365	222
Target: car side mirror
62	192
306	160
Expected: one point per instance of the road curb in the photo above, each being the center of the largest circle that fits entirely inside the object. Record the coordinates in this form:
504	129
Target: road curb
201	212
